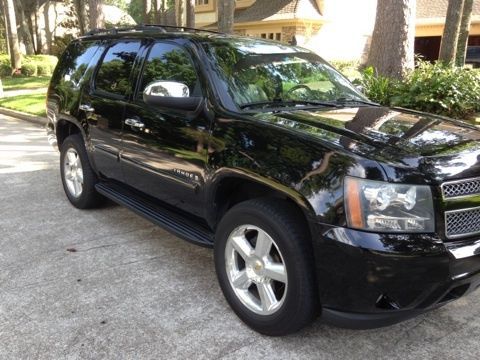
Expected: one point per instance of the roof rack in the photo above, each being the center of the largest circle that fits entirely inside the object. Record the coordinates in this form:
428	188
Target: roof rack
147	27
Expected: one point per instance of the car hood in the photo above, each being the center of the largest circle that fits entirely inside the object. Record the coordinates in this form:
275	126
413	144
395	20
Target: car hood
409	145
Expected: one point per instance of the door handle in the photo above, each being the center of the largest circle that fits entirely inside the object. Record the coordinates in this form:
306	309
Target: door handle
134	123
87	108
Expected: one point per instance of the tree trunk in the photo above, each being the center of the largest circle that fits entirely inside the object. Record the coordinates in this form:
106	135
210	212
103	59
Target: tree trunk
226	11
23	29
48	31
180	13
464	32
31	29
96	20
4	23
448	46
393	40
15	56
190	13
81	12
147	11
36	27
158	7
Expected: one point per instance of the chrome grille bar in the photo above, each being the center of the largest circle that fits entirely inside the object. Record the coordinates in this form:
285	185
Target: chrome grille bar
463	222
460	188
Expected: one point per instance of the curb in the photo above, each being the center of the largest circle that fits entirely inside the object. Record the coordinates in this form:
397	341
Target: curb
40	120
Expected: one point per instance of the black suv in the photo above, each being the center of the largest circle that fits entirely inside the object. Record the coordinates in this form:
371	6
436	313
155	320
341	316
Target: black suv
315	200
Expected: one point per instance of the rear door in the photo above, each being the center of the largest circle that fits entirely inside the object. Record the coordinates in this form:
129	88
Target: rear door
104	104
165	149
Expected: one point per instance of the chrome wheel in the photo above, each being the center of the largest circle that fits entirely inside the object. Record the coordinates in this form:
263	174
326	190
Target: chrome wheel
256	269
73	172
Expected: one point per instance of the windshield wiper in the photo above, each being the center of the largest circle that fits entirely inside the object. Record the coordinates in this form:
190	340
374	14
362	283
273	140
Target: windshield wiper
344	101
287	103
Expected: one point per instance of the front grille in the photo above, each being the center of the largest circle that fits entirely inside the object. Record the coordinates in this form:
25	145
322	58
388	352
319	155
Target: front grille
462	222
461	188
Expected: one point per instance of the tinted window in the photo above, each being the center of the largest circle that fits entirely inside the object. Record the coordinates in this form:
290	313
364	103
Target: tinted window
74	62
169	62
114	73
261	71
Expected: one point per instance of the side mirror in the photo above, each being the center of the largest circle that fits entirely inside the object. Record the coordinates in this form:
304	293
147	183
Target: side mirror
170	94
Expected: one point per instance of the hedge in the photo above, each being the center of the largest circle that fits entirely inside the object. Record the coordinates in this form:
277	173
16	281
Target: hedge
32	65
434	88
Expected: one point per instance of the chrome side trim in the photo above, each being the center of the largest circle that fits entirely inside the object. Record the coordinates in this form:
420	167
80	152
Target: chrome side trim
461	276
461	251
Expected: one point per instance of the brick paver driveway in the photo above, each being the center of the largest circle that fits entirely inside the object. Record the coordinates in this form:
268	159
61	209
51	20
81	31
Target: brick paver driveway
108	284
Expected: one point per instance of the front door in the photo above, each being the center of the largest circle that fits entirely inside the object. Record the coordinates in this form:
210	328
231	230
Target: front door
104	105
164	150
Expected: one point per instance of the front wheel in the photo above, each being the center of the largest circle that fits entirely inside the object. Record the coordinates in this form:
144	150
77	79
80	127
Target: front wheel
264	264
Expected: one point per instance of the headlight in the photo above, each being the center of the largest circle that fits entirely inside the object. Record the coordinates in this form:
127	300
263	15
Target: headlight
385	207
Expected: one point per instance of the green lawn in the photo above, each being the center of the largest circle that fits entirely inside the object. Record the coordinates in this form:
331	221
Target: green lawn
33	82
32	104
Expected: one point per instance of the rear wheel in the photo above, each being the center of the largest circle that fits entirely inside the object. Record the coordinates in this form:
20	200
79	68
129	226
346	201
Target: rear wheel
78	177
264	264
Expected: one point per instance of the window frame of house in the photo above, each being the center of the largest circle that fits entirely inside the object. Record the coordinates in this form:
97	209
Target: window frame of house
209	7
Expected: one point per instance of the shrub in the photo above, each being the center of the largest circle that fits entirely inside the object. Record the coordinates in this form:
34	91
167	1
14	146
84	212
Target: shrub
440	89
434	88
5	70
44	69
349	68
29	69
377	88
32	65
47	61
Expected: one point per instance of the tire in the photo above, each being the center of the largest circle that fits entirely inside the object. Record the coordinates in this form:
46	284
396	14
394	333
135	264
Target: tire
78	177
249	281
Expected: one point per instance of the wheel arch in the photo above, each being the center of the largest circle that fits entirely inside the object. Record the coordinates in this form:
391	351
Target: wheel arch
65	127
230	188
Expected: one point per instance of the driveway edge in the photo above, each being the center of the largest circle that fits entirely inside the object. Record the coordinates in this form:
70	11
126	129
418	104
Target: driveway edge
40	120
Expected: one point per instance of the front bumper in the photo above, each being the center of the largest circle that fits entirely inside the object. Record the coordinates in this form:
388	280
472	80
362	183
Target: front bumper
369	280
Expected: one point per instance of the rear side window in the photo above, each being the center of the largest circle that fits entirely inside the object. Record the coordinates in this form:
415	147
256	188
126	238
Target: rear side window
74	63
114	73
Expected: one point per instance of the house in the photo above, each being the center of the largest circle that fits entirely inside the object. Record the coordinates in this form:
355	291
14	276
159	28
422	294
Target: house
430	25
335	29
280	20
324	26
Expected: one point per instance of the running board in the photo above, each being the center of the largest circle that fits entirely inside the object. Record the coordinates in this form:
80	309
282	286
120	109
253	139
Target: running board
175	223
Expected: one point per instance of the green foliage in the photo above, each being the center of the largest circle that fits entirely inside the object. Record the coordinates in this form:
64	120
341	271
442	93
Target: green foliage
31	103
434	88
348	68
32	65
44	69
121	4
173	65
17	83
377	88
5	68
440	89
29	69
135	10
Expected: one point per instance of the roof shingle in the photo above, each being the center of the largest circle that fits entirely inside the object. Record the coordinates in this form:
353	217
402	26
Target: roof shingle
268	10
428	9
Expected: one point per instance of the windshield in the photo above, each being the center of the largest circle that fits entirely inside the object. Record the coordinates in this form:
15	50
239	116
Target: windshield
256	71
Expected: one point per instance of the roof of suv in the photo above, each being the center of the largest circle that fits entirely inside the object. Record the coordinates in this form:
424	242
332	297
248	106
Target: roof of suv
152	30
166	31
